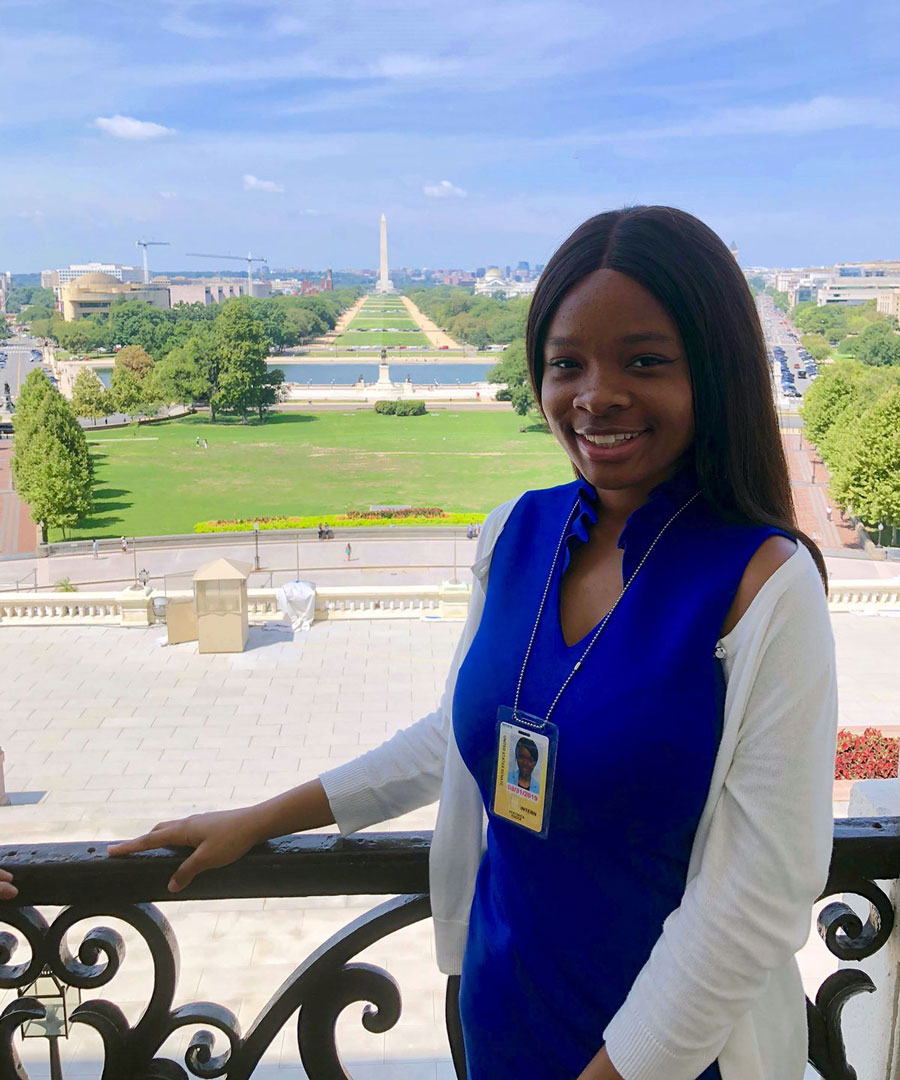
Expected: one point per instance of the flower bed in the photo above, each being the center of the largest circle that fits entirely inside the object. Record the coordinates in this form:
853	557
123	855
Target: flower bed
355	519
867	756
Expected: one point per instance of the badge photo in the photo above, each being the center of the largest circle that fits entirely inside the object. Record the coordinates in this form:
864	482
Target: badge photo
525	760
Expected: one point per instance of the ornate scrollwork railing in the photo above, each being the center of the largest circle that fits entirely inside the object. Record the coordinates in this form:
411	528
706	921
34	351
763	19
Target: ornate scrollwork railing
326	982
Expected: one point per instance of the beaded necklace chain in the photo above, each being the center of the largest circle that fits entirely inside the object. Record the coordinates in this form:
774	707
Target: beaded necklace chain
605	618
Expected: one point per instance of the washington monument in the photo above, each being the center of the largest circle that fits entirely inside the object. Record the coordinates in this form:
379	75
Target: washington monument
384	285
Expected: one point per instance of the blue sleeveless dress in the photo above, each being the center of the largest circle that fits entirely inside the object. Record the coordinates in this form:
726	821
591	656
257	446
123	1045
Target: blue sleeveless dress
560	927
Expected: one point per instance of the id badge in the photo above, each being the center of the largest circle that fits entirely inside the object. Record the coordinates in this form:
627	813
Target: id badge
524	768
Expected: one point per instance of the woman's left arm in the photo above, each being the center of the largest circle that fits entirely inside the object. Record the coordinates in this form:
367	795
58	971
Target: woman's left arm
766	856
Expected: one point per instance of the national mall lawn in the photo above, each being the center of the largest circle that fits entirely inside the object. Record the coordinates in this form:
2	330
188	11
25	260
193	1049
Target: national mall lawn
154	480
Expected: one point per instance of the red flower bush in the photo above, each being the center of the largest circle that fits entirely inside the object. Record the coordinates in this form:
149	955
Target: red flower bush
407	511
870	756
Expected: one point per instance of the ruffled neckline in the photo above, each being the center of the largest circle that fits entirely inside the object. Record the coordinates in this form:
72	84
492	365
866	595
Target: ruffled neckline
642	525
584	519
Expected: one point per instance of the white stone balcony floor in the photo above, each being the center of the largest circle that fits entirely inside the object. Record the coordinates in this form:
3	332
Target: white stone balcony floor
106	732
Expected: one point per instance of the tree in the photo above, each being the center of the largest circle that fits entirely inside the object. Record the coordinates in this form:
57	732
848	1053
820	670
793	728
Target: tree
132	388
244	381
183	374
126	391
136	359
834	390
51	463
513	371
83	336
23	295
134	322
878	345
868	476
31	395
59	486
89	396
816	345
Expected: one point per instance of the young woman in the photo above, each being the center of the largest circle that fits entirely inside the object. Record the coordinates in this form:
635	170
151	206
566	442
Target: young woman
642	707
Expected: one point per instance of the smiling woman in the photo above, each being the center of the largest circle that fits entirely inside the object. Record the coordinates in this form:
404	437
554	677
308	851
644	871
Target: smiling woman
639	725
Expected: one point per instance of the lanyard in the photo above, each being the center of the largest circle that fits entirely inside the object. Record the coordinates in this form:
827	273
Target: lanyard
605	618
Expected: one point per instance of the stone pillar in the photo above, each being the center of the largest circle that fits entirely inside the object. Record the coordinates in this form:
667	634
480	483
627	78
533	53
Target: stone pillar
454	600
136	605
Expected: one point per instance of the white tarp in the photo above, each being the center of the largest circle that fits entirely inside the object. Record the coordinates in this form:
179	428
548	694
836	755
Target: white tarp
297	599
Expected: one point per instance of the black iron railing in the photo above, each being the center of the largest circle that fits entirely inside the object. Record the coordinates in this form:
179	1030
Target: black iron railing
89	885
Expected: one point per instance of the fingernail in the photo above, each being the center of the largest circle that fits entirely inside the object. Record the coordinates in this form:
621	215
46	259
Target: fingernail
173	886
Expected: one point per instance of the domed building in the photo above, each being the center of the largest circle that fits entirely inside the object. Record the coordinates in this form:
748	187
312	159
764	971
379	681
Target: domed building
495	284
96	292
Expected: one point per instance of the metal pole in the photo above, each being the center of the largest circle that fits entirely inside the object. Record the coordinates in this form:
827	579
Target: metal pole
256	538
55	1065
134	556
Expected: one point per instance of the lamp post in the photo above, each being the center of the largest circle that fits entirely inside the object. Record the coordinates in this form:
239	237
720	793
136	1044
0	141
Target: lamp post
256	539
58	1000
880	527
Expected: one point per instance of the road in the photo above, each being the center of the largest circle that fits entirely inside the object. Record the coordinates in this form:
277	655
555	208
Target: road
18	364
778	329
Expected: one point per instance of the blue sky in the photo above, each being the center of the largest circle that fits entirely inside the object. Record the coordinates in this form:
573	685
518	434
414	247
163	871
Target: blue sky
485	129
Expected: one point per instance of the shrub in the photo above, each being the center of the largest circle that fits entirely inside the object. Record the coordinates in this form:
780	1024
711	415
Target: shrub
400	408
868	756
410	408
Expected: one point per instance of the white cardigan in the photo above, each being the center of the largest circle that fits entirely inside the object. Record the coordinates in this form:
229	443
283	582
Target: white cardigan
721	981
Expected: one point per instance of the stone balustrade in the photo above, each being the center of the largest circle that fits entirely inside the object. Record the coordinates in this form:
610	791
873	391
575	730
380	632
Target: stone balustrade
864	595
140	606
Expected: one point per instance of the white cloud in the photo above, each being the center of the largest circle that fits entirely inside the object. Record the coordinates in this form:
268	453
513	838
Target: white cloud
179	22
444	190
168	194
126	127
288	26
253	183
36	216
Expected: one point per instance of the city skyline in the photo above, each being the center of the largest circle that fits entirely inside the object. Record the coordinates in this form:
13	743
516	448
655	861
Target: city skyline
485	135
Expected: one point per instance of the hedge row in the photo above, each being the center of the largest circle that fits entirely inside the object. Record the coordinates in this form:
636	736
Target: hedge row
400	408
336	521
869	756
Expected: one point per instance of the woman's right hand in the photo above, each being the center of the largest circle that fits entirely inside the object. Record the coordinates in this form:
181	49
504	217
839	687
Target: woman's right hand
218	838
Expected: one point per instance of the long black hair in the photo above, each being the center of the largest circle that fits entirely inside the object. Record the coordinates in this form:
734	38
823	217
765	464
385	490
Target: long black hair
737	448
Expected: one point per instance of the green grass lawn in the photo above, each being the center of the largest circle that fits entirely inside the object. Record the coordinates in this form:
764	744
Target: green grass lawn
373	337
157	481
385	320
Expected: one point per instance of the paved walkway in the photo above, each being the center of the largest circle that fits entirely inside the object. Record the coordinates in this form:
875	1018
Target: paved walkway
107	732
809	485
437	337
18	534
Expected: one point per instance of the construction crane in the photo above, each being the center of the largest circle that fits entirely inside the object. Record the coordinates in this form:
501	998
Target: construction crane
248	259
145	244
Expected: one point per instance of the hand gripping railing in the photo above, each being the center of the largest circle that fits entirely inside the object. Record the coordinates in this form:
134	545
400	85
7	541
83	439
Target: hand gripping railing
89	885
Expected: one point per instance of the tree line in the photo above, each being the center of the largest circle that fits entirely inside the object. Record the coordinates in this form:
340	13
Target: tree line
51	466
852	414
860	332
222	362
288	321
476	320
